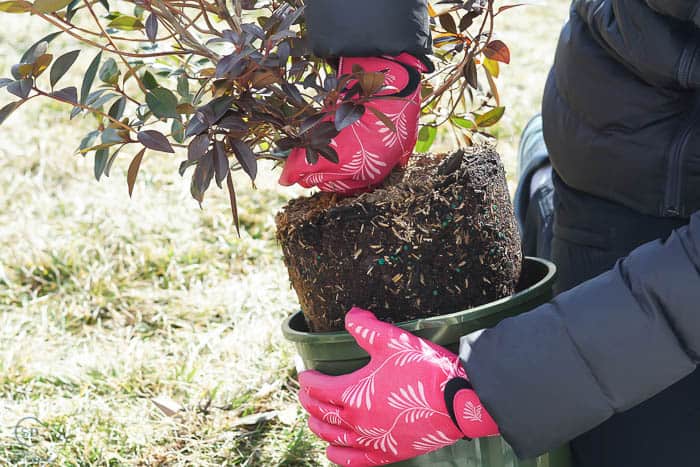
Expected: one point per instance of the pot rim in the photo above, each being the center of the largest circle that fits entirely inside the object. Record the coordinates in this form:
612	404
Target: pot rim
435	321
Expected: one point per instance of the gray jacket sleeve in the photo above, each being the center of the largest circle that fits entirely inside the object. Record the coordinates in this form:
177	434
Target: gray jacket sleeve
604	347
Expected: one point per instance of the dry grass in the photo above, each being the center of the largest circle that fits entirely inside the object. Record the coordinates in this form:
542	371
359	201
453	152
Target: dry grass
106	303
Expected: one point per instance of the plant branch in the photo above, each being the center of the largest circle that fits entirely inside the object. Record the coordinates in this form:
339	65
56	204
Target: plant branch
84	107
111	42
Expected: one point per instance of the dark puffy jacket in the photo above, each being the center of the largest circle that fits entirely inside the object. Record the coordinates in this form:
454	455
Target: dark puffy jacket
622	122
625	107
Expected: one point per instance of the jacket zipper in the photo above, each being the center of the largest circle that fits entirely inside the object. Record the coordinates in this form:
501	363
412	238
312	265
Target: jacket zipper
672	205
672	201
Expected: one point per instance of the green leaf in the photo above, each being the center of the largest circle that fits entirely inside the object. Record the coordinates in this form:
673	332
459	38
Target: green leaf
109	73
149	80
426	138
101	157
183	86
97	103
492	67
463	122
62	65
111	160
126	23
7	110
111	136
70	11
134	170
347	114
15	6
49	6
38	48
88	140
89	77
490	118
116	111
177	131
162	103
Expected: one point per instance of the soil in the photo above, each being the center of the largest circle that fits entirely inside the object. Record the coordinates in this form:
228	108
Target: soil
438	237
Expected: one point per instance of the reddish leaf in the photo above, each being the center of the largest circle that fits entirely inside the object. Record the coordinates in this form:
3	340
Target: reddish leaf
202	176
371	82
328	153
134	170
7	110
155	140
465	22
508	7
245	156
310	122
232	199
221	167
448	23
311	155
67	94
471	75
497	50
198	147
323	133
383	118
152	27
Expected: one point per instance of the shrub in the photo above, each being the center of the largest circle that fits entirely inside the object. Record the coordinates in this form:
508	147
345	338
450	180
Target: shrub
234	82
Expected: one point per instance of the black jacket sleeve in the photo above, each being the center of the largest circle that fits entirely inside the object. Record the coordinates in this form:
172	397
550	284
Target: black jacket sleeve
368	28
684	10
659	50
604	347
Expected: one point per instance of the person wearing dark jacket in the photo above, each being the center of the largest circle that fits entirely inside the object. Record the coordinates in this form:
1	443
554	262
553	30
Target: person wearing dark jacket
610	364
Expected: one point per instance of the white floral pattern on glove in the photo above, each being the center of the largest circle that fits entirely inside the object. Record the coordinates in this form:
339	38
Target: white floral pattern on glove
393	408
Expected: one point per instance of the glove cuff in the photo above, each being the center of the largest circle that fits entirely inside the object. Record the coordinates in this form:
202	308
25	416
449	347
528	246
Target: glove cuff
452	387
467	411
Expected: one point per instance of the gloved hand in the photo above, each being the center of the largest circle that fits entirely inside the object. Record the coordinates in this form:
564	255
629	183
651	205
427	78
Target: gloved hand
367	150
412	398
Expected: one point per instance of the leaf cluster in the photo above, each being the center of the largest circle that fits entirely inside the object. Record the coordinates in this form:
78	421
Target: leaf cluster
235	82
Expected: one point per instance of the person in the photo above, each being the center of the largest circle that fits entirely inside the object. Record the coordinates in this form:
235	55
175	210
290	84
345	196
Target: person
610	364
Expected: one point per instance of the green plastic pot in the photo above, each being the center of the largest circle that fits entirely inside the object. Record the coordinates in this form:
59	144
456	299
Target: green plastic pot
337	353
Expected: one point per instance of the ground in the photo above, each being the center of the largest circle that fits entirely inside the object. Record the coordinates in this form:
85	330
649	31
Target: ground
107	302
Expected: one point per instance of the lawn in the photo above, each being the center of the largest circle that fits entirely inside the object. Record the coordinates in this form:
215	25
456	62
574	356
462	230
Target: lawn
108	303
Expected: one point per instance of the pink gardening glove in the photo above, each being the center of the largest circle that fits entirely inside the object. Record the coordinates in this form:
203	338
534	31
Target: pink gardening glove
367	150
412	398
